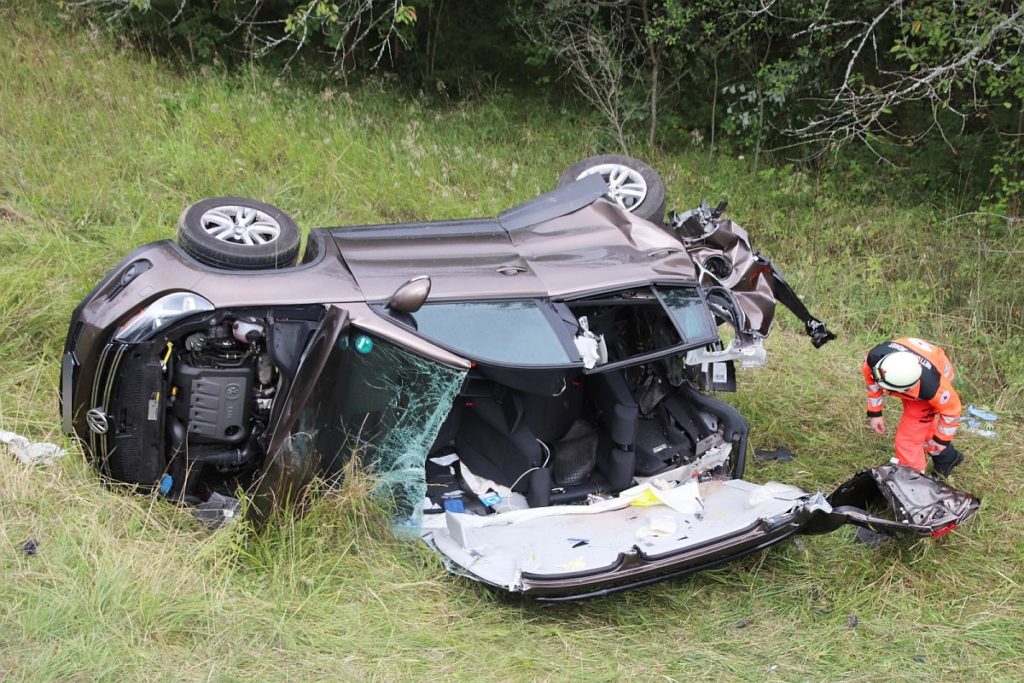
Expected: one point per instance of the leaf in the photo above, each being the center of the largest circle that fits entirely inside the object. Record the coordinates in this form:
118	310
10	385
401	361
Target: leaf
405	14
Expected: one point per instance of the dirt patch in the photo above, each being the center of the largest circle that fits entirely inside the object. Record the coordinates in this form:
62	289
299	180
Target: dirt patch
9	215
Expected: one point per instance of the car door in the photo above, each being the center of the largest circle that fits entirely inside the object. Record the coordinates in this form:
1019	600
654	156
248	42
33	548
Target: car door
292	462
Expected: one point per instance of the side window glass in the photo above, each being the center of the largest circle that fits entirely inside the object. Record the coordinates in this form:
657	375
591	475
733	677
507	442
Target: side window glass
384	405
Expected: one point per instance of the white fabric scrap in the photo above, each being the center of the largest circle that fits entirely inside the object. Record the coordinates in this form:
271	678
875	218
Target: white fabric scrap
684	499
481	486
772	490
30	452
658	526
592	347
445	460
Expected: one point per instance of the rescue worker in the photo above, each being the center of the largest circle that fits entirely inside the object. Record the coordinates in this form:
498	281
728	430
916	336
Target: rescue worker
921	376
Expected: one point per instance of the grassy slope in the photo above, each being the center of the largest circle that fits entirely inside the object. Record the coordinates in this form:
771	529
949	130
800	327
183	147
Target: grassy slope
101	150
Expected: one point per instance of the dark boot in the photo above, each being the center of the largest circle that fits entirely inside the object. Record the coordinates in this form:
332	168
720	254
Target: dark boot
947	459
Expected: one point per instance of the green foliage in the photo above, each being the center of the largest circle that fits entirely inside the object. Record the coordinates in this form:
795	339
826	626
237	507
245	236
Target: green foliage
355	34
800	81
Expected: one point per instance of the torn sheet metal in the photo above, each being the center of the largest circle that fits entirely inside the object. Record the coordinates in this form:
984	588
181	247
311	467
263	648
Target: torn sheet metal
920	500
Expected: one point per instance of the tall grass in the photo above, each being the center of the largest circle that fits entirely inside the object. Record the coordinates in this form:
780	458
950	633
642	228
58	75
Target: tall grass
102	148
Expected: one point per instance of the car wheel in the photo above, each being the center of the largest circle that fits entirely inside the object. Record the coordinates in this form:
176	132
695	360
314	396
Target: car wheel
634	185
238	233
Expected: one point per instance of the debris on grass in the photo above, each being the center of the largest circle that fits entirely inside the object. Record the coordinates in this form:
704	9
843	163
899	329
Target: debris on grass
979	422
780	454
31	453
30	547
982	414
218	510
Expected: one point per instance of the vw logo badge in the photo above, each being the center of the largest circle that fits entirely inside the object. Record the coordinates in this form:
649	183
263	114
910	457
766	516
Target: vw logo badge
97	421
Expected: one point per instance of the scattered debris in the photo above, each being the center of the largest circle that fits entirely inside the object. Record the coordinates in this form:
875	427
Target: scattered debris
780	454
743	623
982	414
853	621
918	658
975	427
578	542
30	547
218	510
31	453
980	422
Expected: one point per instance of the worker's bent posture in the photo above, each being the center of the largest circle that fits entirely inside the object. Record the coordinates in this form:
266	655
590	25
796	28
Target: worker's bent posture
919	373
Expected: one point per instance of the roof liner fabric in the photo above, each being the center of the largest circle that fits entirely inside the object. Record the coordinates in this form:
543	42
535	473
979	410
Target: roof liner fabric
598	247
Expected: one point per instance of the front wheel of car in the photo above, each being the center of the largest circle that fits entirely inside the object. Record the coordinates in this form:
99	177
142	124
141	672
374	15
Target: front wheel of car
238	234
632	184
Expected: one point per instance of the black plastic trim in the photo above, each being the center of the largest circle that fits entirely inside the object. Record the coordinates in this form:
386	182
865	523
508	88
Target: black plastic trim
559	202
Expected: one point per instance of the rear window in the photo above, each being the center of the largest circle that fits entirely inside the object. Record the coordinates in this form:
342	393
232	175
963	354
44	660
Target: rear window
505	332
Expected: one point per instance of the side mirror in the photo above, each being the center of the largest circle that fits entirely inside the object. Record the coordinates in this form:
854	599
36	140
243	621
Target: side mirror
410	297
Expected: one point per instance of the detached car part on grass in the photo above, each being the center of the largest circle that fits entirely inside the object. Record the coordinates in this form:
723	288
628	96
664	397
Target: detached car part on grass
528	390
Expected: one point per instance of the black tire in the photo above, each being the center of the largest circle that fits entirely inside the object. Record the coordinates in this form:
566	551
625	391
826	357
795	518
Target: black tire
651	207
230	252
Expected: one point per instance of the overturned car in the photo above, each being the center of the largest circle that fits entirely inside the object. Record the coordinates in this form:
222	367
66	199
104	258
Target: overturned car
531	391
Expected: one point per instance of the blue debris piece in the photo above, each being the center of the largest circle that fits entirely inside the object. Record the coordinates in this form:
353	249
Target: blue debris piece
986	415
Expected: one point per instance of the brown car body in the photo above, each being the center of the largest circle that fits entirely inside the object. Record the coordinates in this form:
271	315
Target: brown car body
124	399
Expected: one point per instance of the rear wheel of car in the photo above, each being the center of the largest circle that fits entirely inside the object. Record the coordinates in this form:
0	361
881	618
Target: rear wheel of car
633	185
238	233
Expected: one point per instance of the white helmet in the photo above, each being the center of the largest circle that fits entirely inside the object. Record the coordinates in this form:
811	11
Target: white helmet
897	371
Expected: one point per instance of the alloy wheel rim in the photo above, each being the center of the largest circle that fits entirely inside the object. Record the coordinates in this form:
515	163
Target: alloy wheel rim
240	225
626	186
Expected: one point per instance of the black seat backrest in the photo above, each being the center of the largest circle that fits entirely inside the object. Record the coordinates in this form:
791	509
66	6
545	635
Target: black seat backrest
550	417
619	412
492	448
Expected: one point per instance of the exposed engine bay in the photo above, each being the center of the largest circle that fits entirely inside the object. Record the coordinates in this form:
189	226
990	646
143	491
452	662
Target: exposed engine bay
191	411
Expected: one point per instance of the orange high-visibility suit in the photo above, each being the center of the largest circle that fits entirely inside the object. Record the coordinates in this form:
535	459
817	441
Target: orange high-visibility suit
931	407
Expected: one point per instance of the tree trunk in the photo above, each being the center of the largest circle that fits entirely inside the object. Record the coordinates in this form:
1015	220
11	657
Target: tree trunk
653	49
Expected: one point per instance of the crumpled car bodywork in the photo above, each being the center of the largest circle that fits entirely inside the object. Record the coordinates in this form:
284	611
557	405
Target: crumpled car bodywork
541	418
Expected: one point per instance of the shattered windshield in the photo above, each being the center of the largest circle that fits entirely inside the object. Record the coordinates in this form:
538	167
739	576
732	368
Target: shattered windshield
384	405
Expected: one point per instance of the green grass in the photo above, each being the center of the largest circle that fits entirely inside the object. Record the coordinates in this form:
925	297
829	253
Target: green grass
102	148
